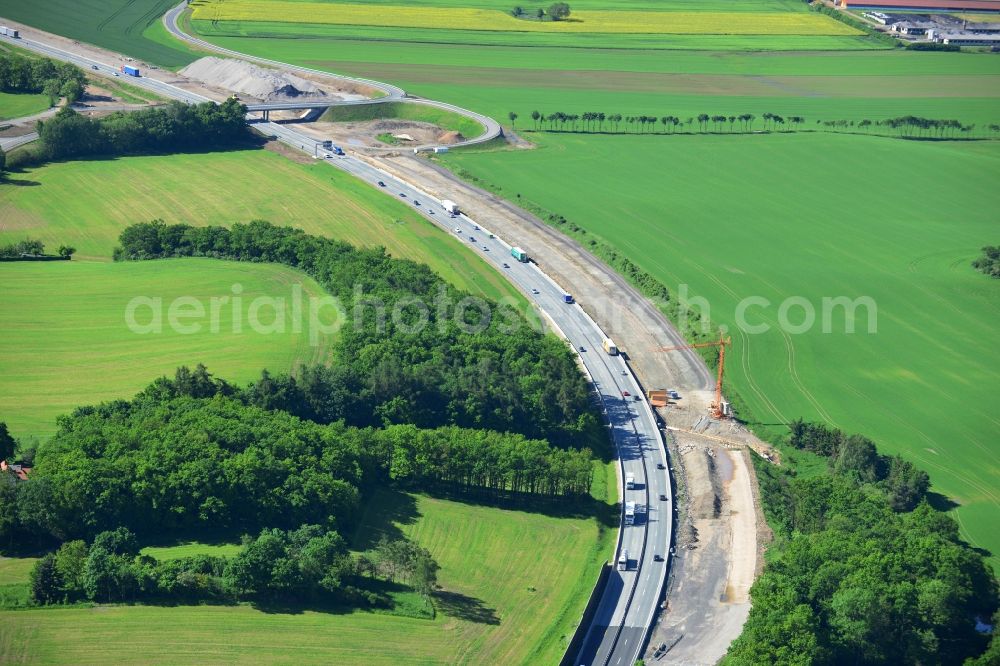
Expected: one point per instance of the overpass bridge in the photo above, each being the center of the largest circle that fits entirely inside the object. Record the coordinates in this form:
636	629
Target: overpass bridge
265	108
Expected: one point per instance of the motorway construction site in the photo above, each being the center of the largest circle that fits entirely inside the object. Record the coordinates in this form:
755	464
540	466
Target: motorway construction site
721	530
721	527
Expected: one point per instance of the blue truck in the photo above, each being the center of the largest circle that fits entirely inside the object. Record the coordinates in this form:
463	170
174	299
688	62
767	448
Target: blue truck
567	298
131	71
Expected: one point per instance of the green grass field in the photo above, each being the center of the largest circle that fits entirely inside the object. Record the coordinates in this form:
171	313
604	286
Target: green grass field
87	203
190	549
14	580
514	583
819	85
19	105
66	342
824	214
69	319
443	118
815	215
119	25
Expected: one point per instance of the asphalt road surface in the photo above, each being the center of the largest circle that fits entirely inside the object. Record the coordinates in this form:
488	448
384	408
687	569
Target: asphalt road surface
628	605
9	143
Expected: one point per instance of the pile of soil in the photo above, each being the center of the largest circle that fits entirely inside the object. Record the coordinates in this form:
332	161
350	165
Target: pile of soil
451	137
249	79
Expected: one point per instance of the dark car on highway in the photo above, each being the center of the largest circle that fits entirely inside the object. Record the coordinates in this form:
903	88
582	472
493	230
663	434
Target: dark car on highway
381	184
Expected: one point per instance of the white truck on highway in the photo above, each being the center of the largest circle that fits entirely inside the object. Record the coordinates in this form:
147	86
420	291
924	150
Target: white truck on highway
623	561
629	481
450	206
629	513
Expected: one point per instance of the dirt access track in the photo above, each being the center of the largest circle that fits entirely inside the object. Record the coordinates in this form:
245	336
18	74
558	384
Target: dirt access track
721	529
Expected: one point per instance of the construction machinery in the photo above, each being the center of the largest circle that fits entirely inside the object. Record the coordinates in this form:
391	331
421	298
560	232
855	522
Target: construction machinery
720	408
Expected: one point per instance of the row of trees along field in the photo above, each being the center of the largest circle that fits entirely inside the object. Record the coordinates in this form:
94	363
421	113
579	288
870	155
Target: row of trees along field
484	369
305	565
592	121
32	247
41	75
862	569
557	11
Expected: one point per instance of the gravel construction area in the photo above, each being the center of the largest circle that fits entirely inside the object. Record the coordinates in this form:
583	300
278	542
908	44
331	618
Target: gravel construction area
721	530
248	79
361	135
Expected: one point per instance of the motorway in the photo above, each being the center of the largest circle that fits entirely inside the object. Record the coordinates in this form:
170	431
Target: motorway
627	608
9	143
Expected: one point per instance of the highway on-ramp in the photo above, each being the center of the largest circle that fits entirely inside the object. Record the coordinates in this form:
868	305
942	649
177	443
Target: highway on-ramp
491	128
629	602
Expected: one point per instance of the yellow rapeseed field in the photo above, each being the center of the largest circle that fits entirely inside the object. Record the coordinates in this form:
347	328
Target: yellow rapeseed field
677	23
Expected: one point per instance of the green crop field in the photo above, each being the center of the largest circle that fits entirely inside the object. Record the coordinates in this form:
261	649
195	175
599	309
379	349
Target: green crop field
586	21
514	583
119	25
66	342
825	214
19	105
46	354
817	85
813	216
86	204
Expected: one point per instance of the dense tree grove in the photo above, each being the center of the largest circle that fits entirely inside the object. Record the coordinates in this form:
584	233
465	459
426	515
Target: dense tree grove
306	565
989	263
174	127
411	351
41	75
862	570
168	462
856	457
8	445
